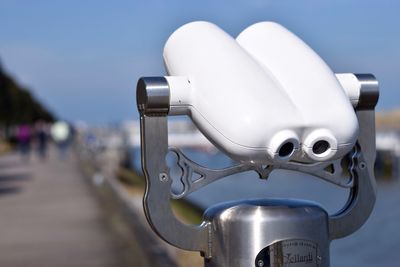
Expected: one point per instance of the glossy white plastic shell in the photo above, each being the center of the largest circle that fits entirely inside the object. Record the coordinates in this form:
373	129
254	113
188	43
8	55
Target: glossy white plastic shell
326	111
244	107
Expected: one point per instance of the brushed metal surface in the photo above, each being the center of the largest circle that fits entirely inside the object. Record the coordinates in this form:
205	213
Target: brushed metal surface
242	229
152	96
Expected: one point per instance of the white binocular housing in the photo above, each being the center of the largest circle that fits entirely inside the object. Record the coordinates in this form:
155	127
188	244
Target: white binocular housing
268	100
263	97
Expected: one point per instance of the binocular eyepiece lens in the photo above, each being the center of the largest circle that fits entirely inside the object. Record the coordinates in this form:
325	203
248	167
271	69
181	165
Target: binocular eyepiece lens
320	147
286	149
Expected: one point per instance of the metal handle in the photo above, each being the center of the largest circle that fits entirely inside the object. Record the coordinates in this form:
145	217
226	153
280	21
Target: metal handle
158	190
363	194
153	105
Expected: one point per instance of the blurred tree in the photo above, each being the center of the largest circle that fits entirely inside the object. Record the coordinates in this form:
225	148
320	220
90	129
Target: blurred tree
17	105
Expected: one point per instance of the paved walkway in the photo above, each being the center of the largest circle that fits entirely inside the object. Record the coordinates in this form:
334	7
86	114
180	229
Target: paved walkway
49	217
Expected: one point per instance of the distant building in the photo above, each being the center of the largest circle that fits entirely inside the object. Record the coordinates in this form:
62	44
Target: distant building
387	154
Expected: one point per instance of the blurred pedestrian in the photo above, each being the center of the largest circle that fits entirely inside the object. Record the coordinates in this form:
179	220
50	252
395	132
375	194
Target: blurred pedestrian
24	140
41	133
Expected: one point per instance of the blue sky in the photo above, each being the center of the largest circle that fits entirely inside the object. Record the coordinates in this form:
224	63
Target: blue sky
83	58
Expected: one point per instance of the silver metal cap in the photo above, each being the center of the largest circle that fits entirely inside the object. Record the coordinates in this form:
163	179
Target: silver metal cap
152	96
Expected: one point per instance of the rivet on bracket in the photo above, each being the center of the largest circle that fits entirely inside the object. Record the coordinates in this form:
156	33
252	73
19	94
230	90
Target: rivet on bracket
362	165
163	177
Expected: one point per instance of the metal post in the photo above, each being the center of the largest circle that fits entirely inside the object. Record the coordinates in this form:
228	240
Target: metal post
268	233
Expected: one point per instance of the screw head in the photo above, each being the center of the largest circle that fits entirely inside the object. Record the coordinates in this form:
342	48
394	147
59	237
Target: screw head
163	177
260	263
362	165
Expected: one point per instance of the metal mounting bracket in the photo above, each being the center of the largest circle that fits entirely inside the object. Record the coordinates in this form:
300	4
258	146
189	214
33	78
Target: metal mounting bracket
357	174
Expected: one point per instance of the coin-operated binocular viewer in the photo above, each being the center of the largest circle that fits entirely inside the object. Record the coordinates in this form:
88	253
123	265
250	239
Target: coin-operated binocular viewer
268	101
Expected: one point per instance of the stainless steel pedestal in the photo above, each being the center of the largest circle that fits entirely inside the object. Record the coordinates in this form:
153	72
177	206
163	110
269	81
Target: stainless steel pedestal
264	233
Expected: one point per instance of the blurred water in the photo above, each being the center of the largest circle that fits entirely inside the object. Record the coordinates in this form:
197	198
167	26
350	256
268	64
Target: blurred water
373	245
